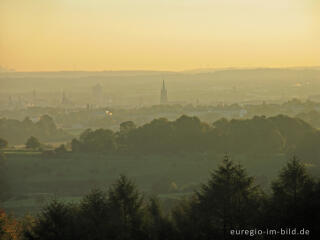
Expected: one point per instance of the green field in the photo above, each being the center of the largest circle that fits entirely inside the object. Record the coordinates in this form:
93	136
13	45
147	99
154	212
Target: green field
34	180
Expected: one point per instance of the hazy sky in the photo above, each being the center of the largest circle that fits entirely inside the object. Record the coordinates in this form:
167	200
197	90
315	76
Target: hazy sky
49	35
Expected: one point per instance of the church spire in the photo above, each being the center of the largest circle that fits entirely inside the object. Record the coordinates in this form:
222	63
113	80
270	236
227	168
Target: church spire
163	95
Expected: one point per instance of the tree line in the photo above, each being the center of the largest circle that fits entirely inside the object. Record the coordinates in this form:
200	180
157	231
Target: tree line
262	135
259	135
229	201
17	132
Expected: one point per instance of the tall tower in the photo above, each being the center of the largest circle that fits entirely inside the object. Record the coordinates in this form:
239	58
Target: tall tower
163	95
64	100
97	92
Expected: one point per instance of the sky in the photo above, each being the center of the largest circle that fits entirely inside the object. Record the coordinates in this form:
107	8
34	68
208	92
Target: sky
95	35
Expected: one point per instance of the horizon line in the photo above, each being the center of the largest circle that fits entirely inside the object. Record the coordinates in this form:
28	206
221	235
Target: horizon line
162	70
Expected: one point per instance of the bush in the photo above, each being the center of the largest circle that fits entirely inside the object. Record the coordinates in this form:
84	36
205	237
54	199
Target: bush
33	143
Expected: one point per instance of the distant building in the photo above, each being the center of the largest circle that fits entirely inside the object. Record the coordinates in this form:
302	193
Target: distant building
65	101
163	95
97	93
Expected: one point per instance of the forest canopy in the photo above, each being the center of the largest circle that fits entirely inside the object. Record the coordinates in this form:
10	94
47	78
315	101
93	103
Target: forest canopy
259	135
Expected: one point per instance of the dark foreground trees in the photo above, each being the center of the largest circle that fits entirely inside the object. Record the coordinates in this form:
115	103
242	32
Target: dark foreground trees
295	200
116	214
229	201
9	227
4	186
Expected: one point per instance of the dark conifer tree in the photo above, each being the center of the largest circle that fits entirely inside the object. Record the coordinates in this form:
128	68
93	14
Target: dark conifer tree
157	225
229	200
56	221
127	213
293	204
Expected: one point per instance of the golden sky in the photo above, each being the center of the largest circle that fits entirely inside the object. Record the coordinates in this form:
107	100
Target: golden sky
53	35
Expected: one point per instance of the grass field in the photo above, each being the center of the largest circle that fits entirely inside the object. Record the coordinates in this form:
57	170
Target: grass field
34	180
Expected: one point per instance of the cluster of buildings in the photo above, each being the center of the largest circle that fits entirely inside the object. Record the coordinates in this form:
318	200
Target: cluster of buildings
97	99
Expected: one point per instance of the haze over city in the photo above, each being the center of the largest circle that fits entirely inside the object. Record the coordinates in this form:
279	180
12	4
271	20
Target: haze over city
159	119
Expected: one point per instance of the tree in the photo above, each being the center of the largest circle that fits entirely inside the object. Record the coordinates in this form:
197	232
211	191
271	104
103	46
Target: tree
154	137
158	226
189	133
290	194
3	181
16	132
46	124
10	228
56	221
126	206
100	140
33	143
3	143
127	126
308	148
186	217
229	200
94	216
75	145
2	224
